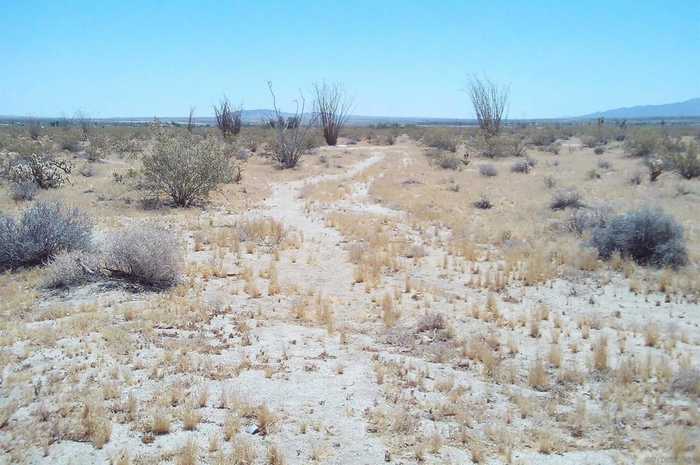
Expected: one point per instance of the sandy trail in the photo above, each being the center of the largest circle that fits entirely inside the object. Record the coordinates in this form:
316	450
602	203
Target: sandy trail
318	394
326	275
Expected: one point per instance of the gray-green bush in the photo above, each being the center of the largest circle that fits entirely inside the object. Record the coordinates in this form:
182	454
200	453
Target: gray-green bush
648	236
41	232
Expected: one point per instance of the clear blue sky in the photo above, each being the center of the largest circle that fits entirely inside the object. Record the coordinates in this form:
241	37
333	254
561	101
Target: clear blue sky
398	58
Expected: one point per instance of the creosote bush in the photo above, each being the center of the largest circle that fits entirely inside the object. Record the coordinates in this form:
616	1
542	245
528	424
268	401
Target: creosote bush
649	237
40	233
185	169
643	142
685	162
144	254
441	138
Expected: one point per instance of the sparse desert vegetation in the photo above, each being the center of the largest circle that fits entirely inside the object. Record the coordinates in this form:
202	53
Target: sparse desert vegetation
349	233
189	304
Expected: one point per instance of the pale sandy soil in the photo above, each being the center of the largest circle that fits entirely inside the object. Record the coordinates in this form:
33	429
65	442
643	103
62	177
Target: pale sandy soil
348	355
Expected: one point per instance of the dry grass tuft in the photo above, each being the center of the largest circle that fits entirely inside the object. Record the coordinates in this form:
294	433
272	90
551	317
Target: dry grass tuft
537	375
188	454
600	353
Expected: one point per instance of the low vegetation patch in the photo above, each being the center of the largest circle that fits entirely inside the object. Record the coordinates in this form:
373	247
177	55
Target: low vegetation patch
40	233
649	237
488	170
566	198
144	254
185	169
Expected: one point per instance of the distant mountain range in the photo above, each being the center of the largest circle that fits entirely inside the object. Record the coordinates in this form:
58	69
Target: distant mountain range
669	111
688	109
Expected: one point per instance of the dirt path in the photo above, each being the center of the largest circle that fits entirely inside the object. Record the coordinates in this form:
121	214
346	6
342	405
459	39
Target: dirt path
329	385
330	272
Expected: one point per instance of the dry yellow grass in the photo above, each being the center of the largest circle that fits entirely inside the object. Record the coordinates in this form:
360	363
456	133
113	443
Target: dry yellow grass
444	298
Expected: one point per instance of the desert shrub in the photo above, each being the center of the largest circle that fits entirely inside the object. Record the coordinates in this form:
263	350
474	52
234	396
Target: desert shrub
554	148
592	174
589	141
93	152
587	219
599	150
685	162
332	105
649	237
643	142
145	255
70	143
72	269
228	119
488	170
549	182
636	179
42	169
483	203
565	198
542	137
501	146
185	169
490	102
292	134
441	138
34	129
604	164
445	160
655	167
687	380
431	322
43	230
25	190
448	162
520	166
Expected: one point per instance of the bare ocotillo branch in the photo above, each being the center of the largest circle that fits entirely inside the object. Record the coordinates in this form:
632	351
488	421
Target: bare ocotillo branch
228	119
490	102
291	132
332	106
190	120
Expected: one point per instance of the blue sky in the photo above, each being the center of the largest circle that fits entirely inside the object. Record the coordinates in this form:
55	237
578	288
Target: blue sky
398	58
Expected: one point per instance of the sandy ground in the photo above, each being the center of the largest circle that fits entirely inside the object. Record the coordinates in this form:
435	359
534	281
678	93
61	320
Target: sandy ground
352	372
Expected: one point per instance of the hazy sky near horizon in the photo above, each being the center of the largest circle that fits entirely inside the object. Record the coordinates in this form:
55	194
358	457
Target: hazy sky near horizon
398	58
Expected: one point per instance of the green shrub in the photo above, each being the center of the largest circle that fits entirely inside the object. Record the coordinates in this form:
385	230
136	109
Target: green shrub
442	139
686	162
643	142
184	169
